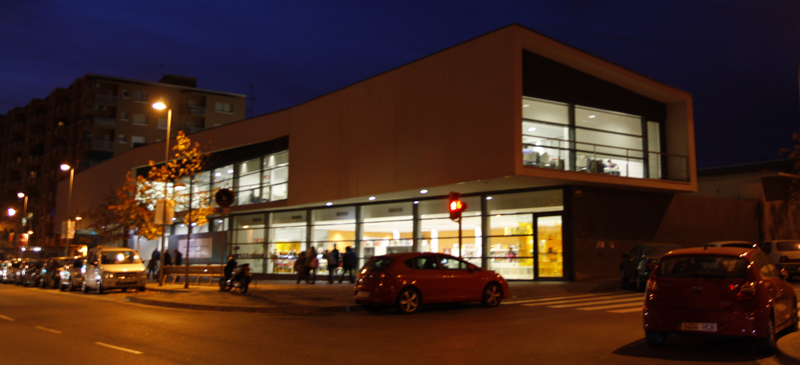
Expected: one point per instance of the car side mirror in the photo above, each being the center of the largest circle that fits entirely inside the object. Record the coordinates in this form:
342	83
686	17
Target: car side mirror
784	274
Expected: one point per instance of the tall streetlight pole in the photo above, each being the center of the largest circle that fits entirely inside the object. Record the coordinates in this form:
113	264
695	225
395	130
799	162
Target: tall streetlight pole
65	167
161	106
24	221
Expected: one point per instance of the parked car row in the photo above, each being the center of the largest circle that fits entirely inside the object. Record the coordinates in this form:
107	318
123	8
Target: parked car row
638	264
104	268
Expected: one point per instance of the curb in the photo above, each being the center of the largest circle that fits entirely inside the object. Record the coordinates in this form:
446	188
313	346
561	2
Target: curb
224	308
785	351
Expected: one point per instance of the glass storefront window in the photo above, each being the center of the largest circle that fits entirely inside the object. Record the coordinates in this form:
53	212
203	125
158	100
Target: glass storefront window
387	228
287	237
511	245
248	240
332	227
608	121
223	177
550	246
533	201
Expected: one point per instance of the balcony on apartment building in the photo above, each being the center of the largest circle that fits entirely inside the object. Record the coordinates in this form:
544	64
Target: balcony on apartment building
103	98
104	122
102	145
193	110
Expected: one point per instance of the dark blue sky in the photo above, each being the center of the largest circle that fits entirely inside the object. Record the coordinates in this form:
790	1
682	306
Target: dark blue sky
739	58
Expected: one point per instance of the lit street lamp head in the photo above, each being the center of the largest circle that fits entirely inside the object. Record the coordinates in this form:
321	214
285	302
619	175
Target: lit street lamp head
65	167
11	212
159	105
20	195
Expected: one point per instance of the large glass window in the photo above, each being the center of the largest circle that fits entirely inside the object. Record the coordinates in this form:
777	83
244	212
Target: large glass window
559	135
287	238
248	186
276	176
332	228
387	228
439	233
248	240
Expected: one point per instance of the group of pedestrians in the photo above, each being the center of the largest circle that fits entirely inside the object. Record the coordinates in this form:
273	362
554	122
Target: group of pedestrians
307	264
155	258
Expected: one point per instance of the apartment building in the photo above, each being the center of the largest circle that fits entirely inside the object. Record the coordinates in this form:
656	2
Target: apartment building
94	119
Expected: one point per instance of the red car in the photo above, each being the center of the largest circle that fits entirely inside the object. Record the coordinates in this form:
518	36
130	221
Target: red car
407	280
718	291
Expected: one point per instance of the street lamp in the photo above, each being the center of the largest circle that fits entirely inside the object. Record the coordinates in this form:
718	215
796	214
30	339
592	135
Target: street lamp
23	196
65	167
161	106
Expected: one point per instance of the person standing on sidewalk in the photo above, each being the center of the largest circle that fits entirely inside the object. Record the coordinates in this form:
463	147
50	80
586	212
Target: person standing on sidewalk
333	263
348	264
152	266
300	266
178	257
167	258
312	263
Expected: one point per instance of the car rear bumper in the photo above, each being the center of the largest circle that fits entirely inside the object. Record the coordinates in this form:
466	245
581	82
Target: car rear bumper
377	295
737	320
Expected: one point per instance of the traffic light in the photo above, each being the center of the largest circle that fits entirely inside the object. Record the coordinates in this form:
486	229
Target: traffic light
456	206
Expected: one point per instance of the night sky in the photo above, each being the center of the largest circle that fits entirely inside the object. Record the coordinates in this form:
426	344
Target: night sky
739	58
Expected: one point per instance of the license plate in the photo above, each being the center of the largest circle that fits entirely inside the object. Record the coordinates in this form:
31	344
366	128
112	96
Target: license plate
699	326
362	294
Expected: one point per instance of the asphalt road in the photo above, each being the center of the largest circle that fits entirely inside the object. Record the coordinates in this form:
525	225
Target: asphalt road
47	326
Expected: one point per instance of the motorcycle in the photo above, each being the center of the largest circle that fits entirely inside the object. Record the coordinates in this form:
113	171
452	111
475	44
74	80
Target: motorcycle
239	279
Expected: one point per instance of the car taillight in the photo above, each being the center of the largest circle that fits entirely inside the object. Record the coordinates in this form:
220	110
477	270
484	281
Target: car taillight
747	291
652	287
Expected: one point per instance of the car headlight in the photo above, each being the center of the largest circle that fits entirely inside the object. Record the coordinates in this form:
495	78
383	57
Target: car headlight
108	275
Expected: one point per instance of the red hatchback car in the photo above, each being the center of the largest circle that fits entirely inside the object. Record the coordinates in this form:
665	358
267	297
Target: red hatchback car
718	291
407	280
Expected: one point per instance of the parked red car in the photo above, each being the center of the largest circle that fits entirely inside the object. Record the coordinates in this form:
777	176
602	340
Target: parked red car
407	280
719	291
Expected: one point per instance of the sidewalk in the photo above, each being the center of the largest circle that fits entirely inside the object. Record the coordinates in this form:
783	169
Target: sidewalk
286	296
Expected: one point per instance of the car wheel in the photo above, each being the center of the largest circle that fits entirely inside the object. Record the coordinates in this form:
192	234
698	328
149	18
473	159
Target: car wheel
640	284
622	277
84	287
492	295
408	301
141	288
244	286
62	287
767	344
654	338
100	289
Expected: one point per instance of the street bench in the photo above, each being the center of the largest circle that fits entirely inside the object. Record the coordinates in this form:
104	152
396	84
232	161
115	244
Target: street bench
198	274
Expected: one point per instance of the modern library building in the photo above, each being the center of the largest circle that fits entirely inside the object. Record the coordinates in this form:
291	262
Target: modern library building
564	159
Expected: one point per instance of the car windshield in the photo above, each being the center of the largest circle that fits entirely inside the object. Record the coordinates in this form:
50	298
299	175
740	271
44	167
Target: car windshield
659	250
119	257
788	246
738	244
378	263
724	267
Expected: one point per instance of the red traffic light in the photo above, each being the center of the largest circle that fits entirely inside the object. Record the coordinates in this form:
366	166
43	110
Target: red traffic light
456	206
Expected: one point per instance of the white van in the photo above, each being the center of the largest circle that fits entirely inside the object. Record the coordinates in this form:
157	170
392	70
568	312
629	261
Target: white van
784	253
113	268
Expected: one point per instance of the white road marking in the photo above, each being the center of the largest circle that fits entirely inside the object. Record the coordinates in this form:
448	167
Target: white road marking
598	298
637	303
584	302
119	348
7	318
47	329
638	309
549	299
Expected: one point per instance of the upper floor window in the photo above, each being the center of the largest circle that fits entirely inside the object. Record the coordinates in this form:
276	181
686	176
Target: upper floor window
126	94
141	97
578	138
221	107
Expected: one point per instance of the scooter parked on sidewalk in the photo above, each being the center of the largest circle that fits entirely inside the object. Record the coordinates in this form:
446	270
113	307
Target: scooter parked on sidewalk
239	279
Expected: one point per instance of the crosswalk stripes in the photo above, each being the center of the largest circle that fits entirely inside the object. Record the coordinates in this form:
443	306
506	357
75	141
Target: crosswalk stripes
611	303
